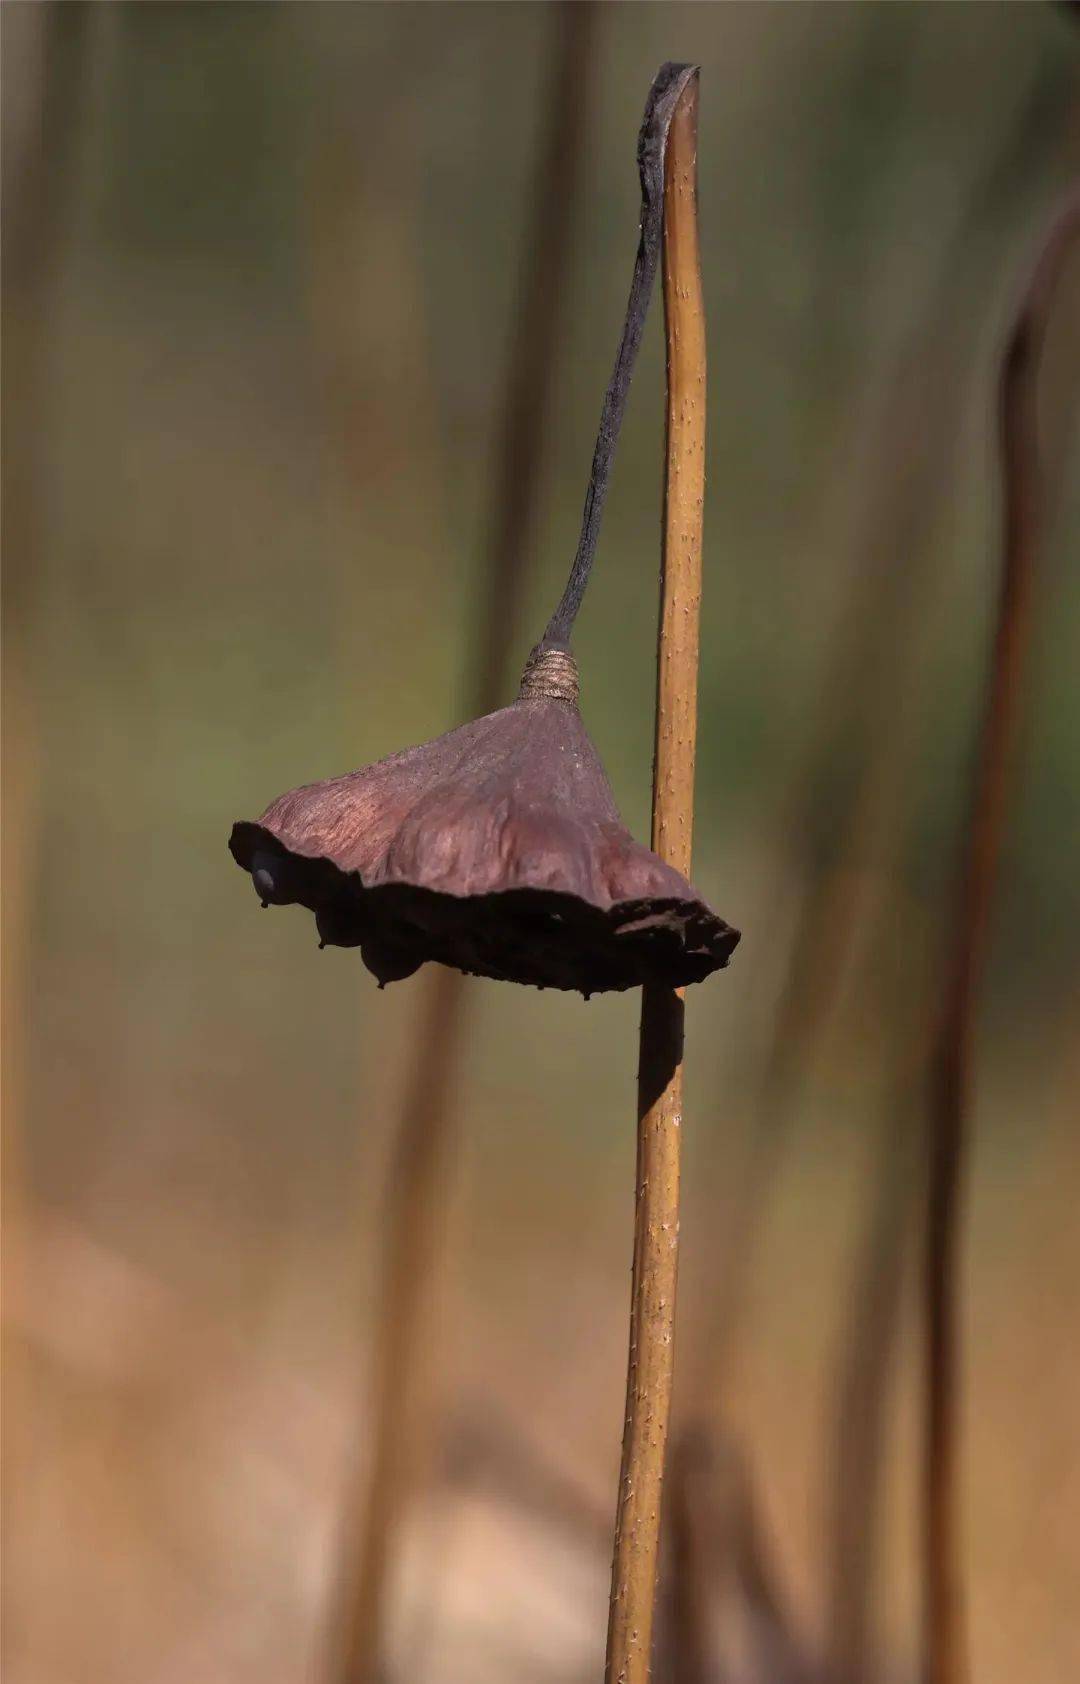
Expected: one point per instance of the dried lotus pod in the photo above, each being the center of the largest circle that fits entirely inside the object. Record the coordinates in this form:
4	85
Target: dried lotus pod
497	848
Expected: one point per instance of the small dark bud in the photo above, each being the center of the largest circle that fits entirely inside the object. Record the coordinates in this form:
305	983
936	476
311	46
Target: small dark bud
270	875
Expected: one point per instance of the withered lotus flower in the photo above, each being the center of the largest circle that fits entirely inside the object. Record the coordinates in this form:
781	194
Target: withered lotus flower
498	848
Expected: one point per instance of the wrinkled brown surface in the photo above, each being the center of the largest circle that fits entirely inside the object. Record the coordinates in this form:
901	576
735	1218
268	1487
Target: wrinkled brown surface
497	849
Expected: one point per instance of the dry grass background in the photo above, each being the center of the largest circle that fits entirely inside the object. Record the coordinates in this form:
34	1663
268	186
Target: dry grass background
251	388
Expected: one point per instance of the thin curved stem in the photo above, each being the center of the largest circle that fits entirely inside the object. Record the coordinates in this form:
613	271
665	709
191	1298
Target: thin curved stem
945	1647
671	80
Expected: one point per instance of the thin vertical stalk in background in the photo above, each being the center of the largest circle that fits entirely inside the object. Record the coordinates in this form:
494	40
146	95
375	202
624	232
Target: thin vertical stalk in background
901	512
422	1133
860	1429
656	1231
45	51
892	530
720	1564
533	355
905	451
699	1547
945	1657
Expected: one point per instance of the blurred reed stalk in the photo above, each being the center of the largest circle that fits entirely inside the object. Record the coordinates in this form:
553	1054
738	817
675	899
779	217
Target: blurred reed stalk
945	1648
904	453
725	1614
696	1543
660	1083
45	51
933	368
907	453
41	127
422	1134
861	1420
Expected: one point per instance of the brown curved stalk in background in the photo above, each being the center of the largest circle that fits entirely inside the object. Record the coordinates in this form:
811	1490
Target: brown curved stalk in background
903	508
421	1136
904	452
656	1230
945	1647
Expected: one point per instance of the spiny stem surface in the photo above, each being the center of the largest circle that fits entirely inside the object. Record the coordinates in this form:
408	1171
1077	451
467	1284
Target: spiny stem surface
656	1228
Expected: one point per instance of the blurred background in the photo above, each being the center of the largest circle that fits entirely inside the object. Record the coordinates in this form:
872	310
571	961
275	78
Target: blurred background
263	279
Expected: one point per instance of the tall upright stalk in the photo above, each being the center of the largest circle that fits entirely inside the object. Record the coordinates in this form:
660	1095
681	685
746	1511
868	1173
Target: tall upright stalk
904	450
46	48
656	1229
422	1133
936	355
945	1657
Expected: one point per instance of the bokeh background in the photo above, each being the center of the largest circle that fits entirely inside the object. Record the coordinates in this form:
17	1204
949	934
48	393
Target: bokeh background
261	271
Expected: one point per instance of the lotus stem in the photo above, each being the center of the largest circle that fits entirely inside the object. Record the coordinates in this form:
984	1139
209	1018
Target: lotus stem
945	1648
656	1229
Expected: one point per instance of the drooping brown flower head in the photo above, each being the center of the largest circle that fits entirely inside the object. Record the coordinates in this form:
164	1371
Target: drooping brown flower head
498	849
